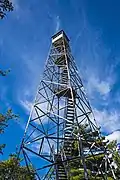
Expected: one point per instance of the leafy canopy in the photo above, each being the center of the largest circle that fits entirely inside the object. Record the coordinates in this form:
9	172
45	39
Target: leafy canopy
5	6
12	170
4	118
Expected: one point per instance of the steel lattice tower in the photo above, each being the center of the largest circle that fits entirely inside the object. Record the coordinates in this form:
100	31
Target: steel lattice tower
61	129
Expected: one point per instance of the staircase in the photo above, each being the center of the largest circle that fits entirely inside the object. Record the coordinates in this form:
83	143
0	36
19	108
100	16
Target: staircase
68	127
67	146
61	174
64	78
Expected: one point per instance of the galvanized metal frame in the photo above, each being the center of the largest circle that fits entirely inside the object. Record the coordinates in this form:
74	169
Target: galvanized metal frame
44	137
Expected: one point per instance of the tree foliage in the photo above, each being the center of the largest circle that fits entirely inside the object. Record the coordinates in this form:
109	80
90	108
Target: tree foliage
76	168
4	118
5	6
4	73
76	171
116	155
12	170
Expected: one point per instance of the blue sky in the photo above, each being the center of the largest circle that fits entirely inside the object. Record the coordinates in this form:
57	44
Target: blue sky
25	36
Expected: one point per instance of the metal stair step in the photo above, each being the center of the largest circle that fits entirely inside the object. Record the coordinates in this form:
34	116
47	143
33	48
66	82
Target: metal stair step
70	109
61	171
70	112
64	80
70	99
69	115
68	133
67	136
69	125
69	121
64	77
68	128
70	104
64	74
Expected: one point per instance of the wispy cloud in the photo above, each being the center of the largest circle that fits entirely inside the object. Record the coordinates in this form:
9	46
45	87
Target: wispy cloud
108	120
99	76
114	136
103	87
27	105
57	23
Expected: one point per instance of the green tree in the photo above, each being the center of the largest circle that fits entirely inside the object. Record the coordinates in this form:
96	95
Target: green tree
4	73
116	155
4	118
5	6
12	170
76	168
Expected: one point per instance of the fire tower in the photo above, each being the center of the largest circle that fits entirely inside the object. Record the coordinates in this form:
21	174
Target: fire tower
61	133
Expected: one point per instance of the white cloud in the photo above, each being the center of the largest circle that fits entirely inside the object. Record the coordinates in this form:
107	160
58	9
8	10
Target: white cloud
57	21
108	120
89	48
30	110
114	136
103	87
27	105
